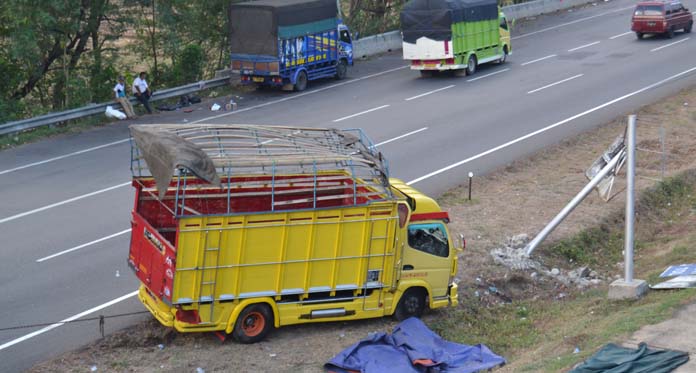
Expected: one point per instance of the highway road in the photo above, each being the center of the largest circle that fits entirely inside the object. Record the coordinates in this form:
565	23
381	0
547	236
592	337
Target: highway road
64	211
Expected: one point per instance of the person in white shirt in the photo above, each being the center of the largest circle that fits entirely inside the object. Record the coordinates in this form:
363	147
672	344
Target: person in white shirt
142	92
121	98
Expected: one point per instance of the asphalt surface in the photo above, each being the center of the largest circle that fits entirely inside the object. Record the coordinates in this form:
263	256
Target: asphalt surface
568	73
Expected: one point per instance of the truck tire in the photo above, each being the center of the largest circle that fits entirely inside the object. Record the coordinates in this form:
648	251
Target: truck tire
341	70
670	33
253	324
411	304
471	65
301	82
687	29
639	35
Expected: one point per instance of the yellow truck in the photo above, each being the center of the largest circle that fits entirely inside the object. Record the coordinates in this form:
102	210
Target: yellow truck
239	229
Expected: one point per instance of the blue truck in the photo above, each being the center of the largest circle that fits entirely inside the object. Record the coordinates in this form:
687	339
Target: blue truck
286	43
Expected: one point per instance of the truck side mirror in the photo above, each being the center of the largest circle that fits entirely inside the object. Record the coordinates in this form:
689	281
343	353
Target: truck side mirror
462	242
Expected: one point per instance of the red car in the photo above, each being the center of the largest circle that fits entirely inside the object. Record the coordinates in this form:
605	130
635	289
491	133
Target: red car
661	17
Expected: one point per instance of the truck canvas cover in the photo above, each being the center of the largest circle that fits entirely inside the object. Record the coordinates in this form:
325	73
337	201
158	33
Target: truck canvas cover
256	26
433	19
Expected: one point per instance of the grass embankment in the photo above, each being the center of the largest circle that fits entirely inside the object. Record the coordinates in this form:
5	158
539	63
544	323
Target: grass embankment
541	335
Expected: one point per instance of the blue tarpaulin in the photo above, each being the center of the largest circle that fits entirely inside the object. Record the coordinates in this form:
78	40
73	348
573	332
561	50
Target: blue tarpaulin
412	347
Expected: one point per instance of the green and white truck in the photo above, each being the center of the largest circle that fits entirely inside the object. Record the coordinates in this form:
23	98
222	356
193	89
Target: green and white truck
440	35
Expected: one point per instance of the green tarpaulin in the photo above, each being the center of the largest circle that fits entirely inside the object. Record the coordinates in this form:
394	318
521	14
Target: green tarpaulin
616	359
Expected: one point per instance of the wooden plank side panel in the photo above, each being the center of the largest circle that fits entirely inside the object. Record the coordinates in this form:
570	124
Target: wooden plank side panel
298	241
261	253
351	247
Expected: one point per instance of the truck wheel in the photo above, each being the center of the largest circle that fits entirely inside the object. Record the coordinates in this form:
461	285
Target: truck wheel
471	65
504	57
253	324
301	82
411	304
670	33
639	35
687	29
341	70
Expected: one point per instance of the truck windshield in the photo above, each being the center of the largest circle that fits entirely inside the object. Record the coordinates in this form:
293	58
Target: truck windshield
648	10
429	238
345	36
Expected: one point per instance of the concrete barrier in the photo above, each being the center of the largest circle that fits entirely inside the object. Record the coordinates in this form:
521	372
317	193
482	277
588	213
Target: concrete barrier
538	7
376	44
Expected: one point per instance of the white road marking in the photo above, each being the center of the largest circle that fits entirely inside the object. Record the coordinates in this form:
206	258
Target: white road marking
401	137
487	75
572	22
538	59
669	45
429	93
69	319
298	95
208	118
34	211
360	113
62	156
83	245
556	83
542	130
620	35
583	46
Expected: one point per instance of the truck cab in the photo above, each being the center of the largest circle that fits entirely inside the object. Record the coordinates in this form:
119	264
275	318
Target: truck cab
429	255
345	44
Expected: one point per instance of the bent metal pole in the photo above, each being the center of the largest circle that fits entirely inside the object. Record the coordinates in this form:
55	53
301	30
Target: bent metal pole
630	197
573	204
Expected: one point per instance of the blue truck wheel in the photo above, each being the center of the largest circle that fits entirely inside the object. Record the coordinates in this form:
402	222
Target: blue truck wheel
301	81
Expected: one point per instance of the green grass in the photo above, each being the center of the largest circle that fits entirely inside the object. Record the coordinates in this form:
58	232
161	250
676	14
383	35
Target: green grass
540	335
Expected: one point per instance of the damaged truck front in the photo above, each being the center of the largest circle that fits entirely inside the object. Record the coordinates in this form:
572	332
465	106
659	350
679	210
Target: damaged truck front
240	229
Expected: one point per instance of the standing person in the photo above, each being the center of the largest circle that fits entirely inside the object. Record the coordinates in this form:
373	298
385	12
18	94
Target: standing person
141	90
121	98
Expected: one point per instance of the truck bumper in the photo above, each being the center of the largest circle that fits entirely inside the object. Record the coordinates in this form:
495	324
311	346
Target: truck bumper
453	294
452	298
262	80
161	311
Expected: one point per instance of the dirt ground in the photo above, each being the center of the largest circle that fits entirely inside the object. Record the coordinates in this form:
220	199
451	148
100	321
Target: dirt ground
519	198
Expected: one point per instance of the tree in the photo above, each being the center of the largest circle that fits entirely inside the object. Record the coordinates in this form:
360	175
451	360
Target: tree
47	42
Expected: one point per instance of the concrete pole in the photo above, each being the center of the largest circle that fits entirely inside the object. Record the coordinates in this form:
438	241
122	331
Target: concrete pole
573	204
630	197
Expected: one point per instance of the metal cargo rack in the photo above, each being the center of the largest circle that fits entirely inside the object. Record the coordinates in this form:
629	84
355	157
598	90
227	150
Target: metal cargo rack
295	167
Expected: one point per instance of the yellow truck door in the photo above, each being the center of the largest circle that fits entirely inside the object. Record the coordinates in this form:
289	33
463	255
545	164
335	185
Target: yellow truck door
427	256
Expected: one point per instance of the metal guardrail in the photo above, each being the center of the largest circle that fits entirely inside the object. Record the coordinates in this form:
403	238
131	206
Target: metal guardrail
94	109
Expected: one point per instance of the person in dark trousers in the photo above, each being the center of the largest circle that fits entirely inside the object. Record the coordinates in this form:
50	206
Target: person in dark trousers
141	90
